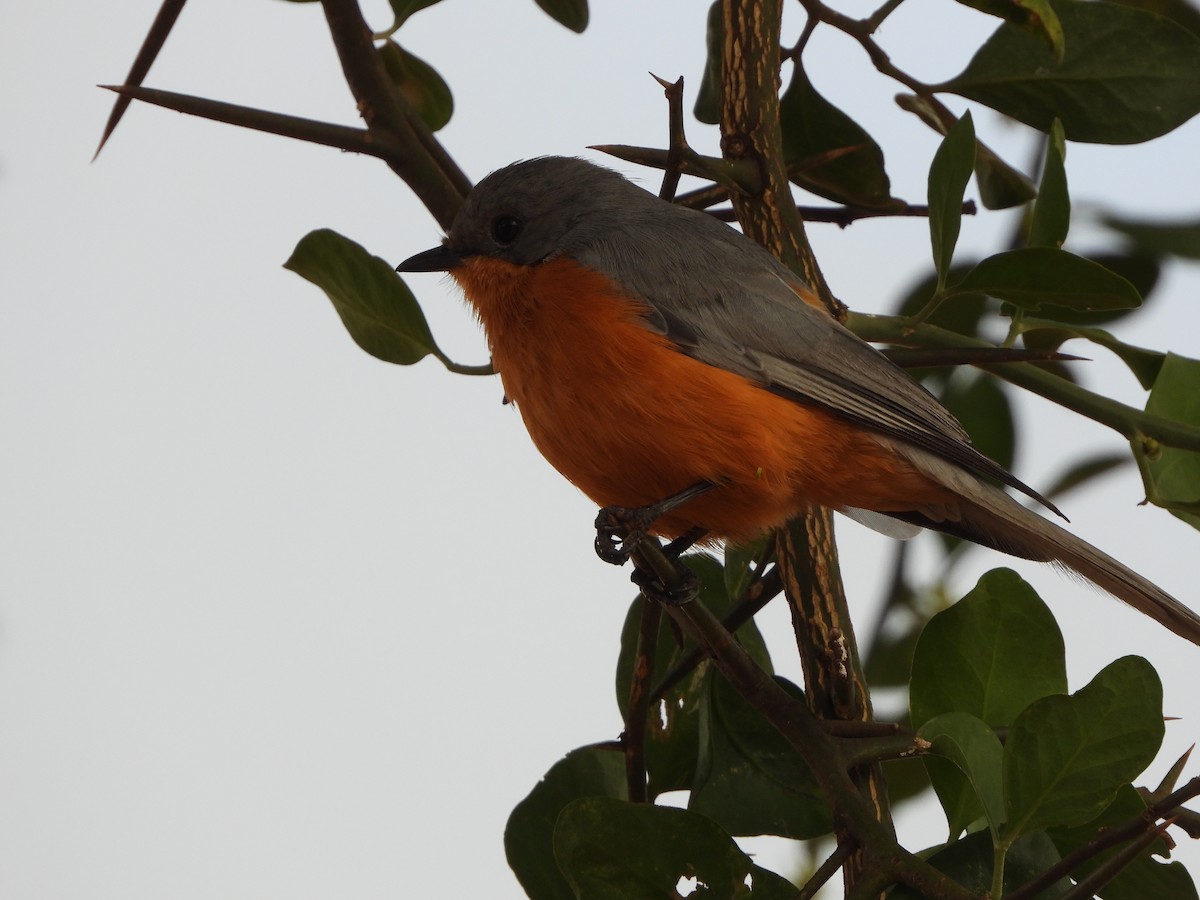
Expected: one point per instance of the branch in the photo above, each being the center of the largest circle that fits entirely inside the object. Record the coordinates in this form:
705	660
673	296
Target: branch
421	160
1132	423
147	53
792	719
353	140
1112	837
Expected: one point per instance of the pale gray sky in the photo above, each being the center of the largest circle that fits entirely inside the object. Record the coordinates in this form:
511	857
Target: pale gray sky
278	620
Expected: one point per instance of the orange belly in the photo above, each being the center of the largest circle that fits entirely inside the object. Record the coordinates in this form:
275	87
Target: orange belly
630	420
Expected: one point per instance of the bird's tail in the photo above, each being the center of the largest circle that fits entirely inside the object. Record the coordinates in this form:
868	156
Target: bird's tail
997	520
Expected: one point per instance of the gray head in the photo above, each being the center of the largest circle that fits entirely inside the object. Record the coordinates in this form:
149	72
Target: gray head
535	209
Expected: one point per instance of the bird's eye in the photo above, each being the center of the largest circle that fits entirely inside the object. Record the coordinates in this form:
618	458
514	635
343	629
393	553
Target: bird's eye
505	229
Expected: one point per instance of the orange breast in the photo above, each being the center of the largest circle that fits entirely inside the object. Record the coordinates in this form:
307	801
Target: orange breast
630	420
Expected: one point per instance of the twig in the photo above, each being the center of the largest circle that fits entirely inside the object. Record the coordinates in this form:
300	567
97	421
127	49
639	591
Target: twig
677	145
633	742
353	140
827	869
791	718
422	162
1133	424
752	601
1110	838
164	21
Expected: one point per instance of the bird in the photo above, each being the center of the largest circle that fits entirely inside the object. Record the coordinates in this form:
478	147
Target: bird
655	352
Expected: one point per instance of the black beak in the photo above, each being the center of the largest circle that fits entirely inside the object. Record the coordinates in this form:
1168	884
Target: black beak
439	259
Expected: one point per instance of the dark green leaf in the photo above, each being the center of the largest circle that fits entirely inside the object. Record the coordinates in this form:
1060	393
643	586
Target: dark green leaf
424	89
1145	878
1052	209
749	779
1084	471
1000	185
672	728
1066	757
1137	267
948	177
1044	335
1127	75
403	9
1181	12
375	305
610	850
1175	474
969	862
1034	276
1180	239
991	654
572	14
827	152
1035	17
962	316
673	724
708	98
972	746
529	834
738	559
981	404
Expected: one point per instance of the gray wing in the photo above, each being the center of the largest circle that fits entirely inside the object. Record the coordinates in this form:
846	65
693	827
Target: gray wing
728	303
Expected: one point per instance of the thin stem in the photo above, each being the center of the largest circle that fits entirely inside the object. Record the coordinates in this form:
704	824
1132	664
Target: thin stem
1105	839
999	854
827	869
352	140
1130	422
634	739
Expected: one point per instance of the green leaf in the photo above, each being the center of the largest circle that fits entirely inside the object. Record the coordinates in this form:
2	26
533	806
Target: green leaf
991	654
948	177
1035	17
1041	334
738	559
611	850
1180	239
1137	267
1144	878
749	779
529	834
1034	276
420	84
375	305
1127	76
708	98
403	9
981	404
1052	209
572	14
1181	12
1066	757
1084	471
962	316
827	152
969	862
673	724
672	728
1174	475
968	743
1000	185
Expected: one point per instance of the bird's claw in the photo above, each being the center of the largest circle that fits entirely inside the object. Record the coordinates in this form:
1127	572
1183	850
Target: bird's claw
618	531
686	590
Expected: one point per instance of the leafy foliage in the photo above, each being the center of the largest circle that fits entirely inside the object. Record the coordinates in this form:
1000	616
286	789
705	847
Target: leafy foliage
1035	777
